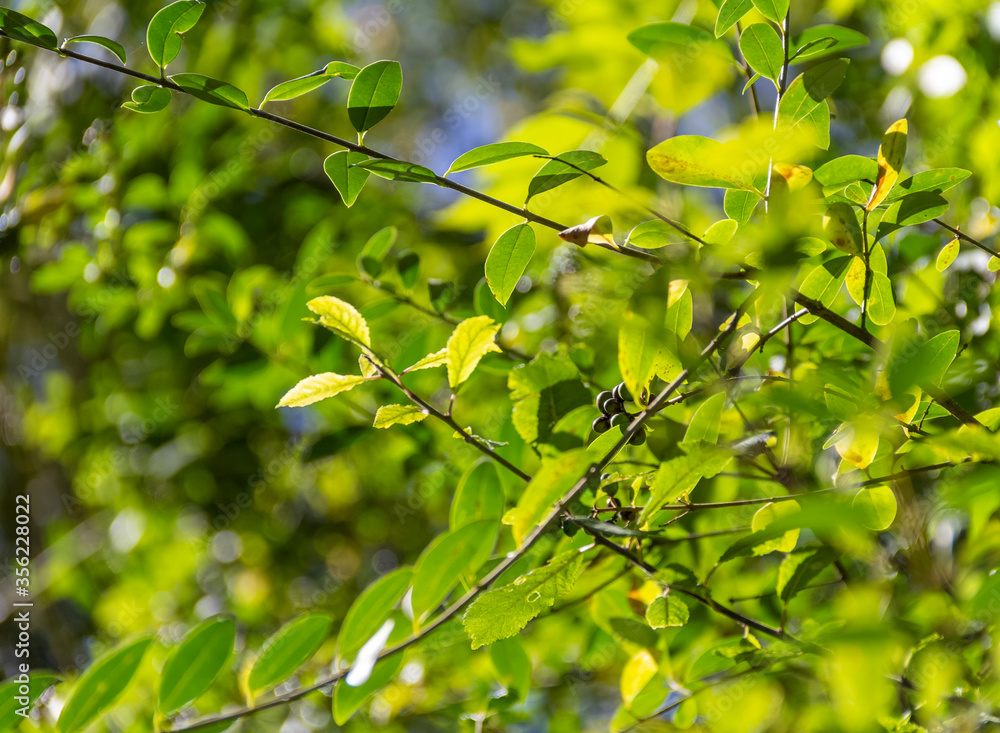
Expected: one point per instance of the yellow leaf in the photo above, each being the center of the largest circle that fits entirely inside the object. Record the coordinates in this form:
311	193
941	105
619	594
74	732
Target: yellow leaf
637	673
860	444
797	176
438	358
388	415
890	160
319	387
841	228
947	255
341	318
471	340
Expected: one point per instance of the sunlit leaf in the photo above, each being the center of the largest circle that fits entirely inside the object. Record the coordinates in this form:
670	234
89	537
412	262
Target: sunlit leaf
471	340
678	476
890	160
761	47
397	170
13	699
739	205
389	415
494	153
947	255
103	683
563	169
550	483
730	14
192	667
878	505
774	10
846	169
163	34
24	29
479	495
347	176
374	93
508	259
765	516
342	318
113	46
287	650
881	302
803	104
666	611
693	160
842	229
821	40
370	609
148	99
437	359
212	90
304	84
320	387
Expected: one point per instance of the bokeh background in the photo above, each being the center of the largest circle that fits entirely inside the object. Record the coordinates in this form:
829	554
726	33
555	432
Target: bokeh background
154	272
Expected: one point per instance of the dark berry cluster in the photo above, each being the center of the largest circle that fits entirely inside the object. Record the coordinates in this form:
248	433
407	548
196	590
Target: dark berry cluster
611	403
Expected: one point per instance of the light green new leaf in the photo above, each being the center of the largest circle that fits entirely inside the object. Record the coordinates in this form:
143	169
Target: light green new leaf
820	40
342	318
804	102
370	610
774	10
389	415
471	340
881	302
507	260
512	664
680	475
638	352
502	612
374	93
704	425
739	205
768	514
846	169
347	176
304	84
479	495
437	359
761	47
148	99
557	172
102	684
653	235
666	39
730	14
878	507
693	160
494	153
113	46
550	483
163	38
320	387
283	653
823	282
212	90
665	611
398	170
938	180
447	559
24	29
10	692
191	668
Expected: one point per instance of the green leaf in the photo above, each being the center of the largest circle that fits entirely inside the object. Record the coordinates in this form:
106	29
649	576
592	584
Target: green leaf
804	102
878	507
508	259
163	34
195	663
916	208
304	84
479	495
821	40
761	47
739	205
800	566
846	169
512	664
148	99
823	282
918	364
704	425
398	170
768	514
556	172
668	610
375	250
343	169
731	12
342	318
113	46
437	359
320	387
347	699
680	475
471	340
283	653
938	180
544	391
551	482
10	692
101	685
370	610
638	352
494	153
881	302
502	612
374	93
212	90
664	40
24	29
947	255
775	10
447	559
653	235
693	160
389	415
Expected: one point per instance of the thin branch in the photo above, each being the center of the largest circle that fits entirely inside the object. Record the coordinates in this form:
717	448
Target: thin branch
966	238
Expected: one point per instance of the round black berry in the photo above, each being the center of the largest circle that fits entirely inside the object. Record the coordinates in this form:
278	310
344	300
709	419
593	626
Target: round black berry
620	420
601	424
638	437
603	398
621	392
613	407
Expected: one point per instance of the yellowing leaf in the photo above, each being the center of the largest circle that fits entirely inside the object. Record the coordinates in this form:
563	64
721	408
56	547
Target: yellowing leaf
342	318
471	340
319	387
596	230
878	504
890	160
797	176
438	358
947	255
860	444
389	415
637	673
842	229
